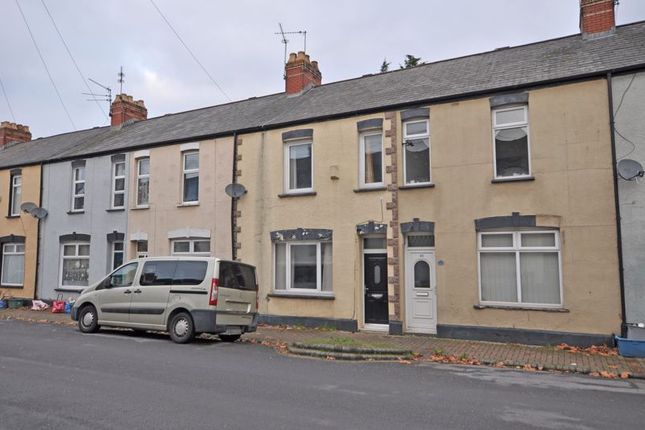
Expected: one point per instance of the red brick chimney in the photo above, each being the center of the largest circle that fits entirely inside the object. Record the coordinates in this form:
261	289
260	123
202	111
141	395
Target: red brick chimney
124	108
300	73
12	132
597	17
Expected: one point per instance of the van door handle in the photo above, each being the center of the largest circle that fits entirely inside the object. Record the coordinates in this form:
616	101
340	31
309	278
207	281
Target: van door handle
137	291
127	292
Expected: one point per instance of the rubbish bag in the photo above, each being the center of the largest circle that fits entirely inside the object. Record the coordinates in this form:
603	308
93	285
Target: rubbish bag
38	305
58	305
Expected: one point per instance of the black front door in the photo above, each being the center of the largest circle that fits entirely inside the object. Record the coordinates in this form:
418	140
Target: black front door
375	276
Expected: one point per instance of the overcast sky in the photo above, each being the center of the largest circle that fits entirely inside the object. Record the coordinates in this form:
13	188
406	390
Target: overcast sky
235	41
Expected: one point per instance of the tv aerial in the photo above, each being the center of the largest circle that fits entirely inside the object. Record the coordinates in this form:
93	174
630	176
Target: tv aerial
629	170
107	97
235	190
285	41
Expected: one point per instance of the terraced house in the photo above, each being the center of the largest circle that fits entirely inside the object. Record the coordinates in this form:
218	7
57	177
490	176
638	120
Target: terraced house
472	197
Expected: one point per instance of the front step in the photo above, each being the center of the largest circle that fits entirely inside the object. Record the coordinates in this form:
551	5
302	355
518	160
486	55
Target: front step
350	353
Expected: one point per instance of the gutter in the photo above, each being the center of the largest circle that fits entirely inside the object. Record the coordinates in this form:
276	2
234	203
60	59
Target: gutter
40	204
614	162
234	202
349	114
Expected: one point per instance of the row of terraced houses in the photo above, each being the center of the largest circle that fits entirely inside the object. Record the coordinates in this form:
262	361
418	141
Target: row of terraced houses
475	197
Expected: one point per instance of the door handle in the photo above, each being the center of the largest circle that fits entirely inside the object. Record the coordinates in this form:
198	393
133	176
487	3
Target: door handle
127	292
137	291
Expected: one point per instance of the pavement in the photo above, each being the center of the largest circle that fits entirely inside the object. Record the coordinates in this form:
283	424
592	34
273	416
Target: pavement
600	362
55	377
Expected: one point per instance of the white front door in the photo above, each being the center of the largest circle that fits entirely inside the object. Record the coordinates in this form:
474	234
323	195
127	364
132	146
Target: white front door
420	292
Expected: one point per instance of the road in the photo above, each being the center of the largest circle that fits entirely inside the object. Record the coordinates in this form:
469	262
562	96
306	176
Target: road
55	377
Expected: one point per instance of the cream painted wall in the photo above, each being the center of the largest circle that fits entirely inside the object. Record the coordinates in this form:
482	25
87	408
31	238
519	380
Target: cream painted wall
166	214
571	162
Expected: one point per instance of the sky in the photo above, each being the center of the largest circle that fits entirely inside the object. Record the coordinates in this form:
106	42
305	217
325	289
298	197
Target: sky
237	45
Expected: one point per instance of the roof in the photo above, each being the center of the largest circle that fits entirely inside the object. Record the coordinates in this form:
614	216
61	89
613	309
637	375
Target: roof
548	61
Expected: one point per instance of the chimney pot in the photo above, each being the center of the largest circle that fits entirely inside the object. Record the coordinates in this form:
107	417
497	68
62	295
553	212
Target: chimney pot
597	17
10	132
124	108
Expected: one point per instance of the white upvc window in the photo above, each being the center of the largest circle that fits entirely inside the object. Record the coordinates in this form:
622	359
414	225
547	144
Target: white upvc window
190	182
118	254
196	247
298	167
142	248
13	264
511	148
304	267
16	195
143	182
371	166
520	268
118	185
416	152
78	189
75	264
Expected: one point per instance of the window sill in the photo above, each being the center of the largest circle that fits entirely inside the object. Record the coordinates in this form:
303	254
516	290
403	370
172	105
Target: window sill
115	210
75	212
187	204
413	186
511	179
12	216
367	190
15	287
522	308
304	194
302	296
140	208
70	289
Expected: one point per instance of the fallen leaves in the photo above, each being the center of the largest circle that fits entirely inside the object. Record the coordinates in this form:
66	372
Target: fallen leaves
453	359
602	350
611	375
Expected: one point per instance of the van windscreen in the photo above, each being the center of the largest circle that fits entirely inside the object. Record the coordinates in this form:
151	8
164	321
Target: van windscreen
236	275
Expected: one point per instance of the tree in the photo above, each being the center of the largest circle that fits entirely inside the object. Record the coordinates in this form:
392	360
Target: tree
385	66
411	61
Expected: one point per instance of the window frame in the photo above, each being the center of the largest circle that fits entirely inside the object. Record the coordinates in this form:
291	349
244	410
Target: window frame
74	183
14	252
13	210
361	160
288	289
518	249
114	192
185	172
141	176
497	127
76	256
114	251
191	247
287	170
416	136
138	252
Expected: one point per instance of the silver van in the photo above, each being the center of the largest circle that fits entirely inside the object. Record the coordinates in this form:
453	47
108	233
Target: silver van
182	295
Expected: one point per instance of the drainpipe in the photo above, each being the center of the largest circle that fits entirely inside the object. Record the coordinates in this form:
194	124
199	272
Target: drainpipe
40	204
623	325
234	202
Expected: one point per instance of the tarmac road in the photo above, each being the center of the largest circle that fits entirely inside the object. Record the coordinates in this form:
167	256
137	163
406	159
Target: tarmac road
55	377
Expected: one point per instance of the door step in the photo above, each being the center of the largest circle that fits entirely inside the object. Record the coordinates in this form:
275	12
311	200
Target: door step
351	353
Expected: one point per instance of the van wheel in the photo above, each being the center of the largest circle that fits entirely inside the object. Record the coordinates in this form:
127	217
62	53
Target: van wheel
181	328
88	319
229	337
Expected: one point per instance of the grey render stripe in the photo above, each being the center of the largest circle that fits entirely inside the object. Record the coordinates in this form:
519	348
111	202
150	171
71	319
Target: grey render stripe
369	124
509	99
417	226
416	113
78	163
14	172
116	158
12	239
513	221
115	236
74	237
299	234
371	228
304	133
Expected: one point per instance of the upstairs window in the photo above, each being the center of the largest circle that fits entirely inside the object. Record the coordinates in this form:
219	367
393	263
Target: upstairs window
15	195
298	167
371	159
511	142
416	148
190	177
78	188
118	185
143	181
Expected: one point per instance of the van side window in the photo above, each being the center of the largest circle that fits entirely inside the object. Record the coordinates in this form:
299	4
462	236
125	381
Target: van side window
190	272
158	273
124	277
236	275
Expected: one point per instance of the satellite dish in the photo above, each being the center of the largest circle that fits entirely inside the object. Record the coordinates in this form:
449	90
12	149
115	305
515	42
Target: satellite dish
235	190
28	207
39	213
630	169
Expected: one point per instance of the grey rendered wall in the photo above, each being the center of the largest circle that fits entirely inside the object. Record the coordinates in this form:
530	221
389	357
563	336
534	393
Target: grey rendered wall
630	143
96	221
